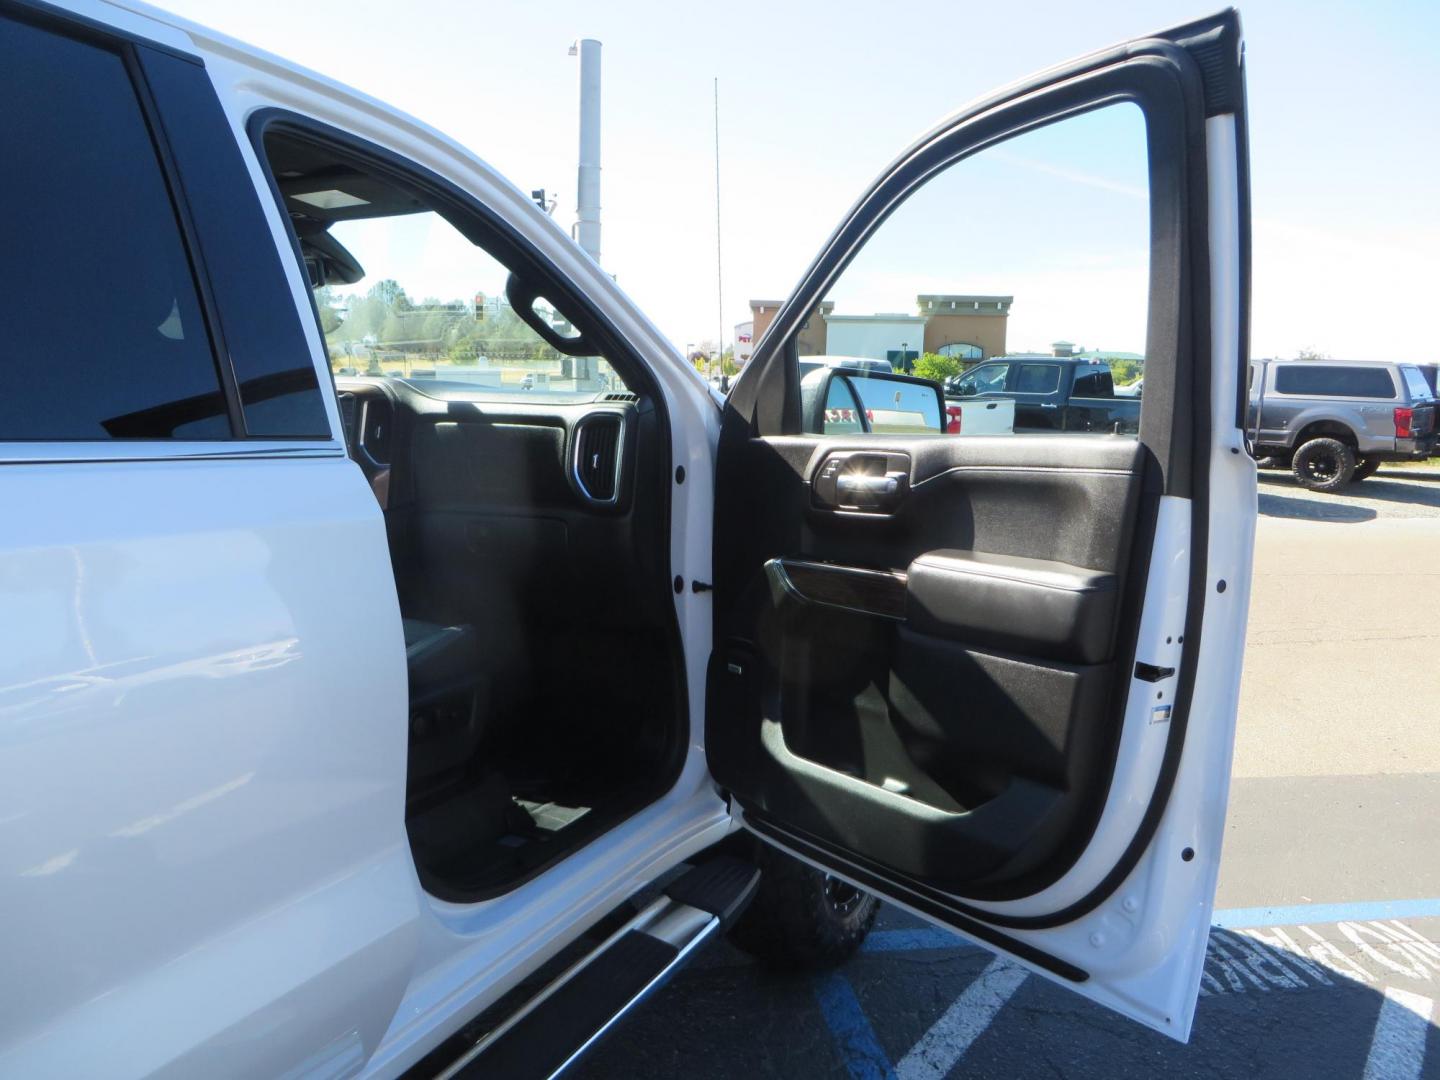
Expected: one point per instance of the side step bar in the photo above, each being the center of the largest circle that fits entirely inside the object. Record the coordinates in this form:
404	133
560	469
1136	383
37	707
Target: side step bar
570	1015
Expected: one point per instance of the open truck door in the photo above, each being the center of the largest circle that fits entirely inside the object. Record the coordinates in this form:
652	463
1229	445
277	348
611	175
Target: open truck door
994	678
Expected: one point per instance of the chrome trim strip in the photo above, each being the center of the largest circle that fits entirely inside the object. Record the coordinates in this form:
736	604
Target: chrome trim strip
645	919
42	453
660	979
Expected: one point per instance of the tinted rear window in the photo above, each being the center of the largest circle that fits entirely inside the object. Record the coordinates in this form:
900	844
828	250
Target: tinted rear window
1330	380
104	336
1093	384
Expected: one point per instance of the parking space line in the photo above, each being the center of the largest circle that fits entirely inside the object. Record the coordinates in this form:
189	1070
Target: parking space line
1250	950
864	1057
941	1048
1397	1051
926	937
1359	911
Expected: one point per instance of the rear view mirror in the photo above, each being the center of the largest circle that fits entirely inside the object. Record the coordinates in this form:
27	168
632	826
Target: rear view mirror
836	401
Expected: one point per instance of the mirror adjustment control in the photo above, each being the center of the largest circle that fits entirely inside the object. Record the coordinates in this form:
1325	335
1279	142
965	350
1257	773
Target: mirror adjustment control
827	488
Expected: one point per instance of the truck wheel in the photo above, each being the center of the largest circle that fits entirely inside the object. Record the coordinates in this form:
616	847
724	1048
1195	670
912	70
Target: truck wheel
802	919
1324	465
1366	466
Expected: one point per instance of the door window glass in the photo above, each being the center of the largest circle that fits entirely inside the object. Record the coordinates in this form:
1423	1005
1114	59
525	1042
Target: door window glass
1037	379
104	337
985	379
1038	246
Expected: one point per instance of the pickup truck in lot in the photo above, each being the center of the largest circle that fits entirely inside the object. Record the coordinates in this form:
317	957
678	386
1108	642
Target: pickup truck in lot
1331	421
1051	393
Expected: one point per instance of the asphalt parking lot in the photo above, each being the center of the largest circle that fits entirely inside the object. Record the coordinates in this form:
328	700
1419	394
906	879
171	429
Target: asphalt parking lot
1324	961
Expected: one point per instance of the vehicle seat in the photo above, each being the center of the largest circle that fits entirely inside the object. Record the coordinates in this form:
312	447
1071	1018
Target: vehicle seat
442	659
449	699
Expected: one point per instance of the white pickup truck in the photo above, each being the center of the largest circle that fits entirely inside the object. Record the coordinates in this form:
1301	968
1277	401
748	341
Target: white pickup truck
354	724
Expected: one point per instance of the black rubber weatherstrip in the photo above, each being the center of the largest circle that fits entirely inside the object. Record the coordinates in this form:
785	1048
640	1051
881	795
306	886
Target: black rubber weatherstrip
929	906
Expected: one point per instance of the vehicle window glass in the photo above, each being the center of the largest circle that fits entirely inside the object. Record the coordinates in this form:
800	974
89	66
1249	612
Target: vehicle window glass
1093	384
430	307
1334	380
104	337
1038	246
1415	383
842	411
1037	379
986	379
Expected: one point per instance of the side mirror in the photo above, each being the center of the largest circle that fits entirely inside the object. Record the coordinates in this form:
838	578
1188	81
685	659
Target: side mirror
837	401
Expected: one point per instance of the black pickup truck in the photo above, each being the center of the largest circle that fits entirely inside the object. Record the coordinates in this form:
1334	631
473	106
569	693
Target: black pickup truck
1052	393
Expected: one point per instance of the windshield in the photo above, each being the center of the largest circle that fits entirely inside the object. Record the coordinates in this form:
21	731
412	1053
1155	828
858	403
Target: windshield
431	308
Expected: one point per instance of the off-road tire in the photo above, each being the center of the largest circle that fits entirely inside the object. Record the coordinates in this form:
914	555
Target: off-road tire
1366	466
1323	464
802	919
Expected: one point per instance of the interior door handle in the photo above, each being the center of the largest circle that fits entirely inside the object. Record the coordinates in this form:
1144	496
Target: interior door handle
871	492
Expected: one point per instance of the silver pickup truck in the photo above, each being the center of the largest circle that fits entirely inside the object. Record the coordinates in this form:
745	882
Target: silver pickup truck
1335	421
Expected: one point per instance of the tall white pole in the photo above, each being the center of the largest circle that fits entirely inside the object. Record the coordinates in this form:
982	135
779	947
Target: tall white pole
587	187
719	281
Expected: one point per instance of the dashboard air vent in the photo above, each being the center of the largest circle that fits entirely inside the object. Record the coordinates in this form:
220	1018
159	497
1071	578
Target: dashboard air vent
625	397
597	456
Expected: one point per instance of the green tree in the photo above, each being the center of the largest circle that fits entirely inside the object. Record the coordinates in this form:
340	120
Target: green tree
1126	372
329	305
939	368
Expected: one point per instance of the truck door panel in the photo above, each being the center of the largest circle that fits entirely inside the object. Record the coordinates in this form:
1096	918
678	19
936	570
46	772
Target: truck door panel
202	759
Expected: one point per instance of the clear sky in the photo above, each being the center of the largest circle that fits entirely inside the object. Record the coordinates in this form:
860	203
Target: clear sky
816	98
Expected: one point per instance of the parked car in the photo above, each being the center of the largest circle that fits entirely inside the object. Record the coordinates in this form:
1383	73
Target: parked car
359	726
854	363
1051	393
1135	389
1333	421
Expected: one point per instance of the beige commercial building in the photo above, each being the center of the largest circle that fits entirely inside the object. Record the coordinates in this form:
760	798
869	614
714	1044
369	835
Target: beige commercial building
967	326
811	340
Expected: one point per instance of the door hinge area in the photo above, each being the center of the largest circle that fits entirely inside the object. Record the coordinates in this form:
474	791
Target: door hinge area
1152	672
